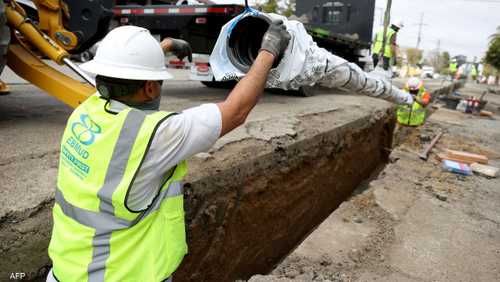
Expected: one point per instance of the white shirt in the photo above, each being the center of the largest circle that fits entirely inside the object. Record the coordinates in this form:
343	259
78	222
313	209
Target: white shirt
181	136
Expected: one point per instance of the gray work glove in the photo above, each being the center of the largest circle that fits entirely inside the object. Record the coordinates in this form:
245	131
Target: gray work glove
181	49
276	39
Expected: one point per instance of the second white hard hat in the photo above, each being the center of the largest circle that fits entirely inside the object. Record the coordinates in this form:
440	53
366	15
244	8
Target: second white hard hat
414	83
129	52
399	24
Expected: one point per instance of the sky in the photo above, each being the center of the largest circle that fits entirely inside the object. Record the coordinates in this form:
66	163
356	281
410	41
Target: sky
461	26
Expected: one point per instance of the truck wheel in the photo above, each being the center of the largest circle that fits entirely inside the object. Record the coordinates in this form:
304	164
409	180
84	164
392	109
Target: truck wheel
220	84
4	36
305	91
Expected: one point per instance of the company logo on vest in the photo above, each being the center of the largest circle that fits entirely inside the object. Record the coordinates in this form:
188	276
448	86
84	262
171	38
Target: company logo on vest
85	130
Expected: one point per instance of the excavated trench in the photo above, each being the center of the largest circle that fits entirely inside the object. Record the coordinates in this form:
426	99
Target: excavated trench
246	219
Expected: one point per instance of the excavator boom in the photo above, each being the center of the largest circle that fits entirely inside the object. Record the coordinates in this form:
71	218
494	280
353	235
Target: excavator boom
61	27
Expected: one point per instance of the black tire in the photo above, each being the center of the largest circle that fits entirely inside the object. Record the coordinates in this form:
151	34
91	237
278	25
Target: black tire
305	91
85	56
220	84
4	37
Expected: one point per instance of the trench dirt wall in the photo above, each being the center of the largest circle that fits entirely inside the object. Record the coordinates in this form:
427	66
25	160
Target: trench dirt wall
246	219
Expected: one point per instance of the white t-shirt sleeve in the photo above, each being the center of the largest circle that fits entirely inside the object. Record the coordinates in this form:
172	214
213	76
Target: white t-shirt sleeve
181	136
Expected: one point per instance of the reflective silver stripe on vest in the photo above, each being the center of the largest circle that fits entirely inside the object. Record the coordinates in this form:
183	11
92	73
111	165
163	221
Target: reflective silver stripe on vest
114	175
96	220
119	159
100	254
102	221
105	224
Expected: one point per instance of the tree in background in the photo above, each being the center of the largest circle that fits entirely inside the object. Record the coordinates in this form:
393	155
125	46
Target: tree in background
283	7
492	57
270	6
289	8
496	34
489	70
445	60
414	56
493	53
440	61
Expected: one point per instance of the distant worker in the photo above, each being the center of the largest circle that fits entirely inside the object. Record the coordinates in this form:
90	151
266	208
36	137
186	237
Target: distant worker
415	114
453	68
473	72
390	51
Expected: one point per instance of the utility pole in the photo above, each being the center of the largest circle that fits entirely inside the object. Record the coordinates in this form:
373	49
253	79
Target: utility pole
438	51
387	19
420	24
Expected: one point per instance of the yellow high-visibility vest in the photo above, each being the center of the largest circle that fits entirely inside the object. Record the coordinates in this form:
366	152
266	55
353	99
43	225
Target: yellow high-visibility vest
413	115
96	237
379	40
453	68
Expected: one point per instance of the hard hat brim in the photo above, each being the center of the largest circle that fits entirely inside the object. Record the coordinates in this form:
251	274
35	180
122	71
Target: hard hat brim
123	72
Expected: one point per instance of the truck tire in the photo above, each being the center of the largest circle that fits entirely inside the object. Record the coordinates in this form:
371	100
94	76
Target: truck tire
304	91
4	36
220	84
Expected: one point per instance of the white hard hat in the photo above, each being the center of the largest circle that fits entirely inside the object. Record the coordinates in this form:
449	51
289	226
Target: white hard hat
414	83
399	24
129	52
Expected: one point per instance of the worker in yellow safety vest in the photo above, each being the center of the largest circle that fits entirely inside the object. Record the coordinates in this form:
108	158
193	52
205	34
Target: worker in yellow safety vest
389	51
118	213
453	68
415	114
473	72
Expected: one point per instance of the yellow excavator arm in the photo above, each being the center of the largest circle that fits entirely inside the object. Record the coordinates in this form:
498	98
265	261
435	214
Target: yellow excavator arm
50	38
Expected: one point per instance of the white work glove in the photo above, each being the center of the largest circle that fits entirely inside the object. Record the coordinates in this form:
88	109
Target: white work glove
400	97
407	99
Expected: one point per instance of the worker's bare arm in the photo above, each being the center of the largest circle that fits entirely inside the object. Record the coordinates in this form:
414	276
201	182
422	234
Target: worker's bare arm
237	106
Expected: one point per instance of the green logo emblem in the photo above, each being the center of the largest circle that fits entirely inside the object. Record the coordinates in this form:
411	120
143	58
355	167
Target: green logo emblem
85	130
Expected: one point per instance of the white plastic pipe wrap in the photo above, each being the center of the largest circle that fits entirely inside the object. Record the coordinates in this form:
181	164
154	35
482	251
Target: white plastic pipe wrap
306	64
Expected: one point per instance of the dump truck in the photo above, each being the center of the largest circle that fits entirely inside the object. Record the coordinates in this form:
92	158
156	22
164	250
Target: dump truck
33	31
198	23
343	27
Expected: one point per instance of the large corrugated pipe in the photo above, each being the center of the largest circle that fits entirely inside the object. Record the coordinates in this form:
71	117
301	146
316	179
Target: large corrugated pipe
245	40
